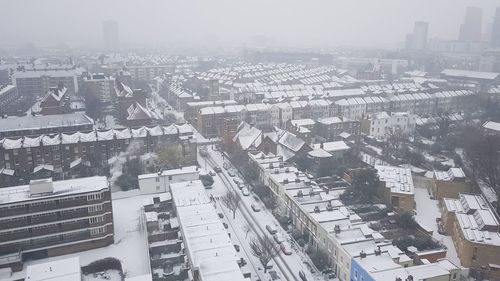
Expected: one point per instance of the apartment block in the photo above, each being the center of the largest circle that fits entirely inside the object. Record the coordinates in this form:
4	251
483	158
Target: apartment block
46	218
396	187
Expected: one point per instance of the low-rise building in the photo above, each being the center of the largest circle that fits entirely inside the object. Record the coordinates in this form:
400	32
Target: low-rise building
396	187
474	229
160	182
8	94
381	125
65	269
449	184
46	218
492	128
332	128
209	251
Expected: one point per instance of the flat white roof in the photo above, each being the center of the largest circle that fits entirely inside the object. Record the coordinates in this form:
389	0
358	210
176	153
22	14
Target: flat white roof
60	270
495	126
208	245
470	74
21	193
172	172
44	122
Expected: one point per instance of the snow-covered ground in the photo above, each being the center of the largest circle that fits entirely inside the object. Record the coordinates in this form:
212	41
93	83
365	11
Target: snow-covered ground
427	212
108	275
130	245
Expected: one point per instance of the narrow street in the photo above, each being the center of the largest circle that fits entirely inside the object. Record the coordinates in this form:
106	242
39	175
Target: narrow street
288	265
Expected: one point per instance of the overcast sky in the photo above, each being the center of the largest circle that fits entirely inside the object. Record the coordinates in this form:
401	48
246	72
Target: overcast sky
358	23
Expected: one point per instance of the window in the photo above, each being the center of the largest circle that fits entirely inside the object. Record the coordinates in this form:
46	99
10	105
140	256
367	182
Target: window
95	208
97	230
95	220
95	196
157	179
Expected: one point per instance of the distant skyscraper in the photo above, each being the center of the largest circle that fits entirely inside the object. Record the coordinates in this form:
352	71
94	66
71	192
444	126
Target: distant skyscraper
495	34
470	30
419	38
110	35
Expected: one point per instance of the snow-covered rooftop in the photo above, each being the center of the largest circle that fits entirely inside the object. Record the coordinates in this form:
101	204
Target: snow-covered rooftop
60	270
208	245
21	193
399	180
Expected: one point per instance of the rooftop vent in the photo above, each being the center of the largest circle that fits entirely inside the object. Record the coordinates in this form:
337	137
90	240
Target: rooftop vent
378	252
299	193
362	254
42	186
336	228
297	180
316	209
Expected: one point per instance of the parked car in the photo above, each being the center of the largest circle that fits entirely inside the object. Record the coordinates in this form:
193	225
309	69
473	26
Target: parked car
221	215
278	237
271	229
245	191
230	173
225	166
255	207
286	248
212	174
236	180
217	169
241	185
237	247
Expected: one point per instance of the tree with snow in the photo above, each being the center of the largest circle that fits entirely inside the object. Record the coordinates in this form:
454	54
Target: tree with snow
265	249
232	201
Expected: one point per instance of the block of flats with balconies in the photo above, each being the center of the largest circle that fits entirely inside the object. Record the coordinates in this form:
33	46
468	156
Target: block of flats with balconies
49	218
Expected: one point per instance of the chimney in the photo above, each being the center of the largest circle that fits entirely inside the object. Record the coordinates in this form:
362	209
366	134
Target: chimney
378	252
300	194
321	145
362	254
316	209
336	229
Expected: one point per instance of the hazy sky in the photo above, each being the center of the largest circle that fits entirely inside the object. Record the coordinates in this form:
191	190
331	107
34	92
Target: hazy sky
360	23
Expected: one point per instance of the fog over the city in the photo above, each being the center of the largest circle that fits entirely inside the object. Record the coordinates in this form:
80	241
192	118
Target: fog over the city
200	23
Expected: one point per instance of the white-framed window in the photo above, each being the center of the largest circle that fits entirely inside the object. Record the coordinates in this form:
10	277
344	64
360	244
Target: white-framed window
95	196
95	208
95	220
97	230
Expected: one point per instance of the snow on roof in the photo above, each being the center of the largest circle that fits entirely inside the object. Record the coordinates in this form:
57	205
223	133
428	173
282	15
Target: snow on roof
146	277
399	180
470	74
450	175
171	172
291	141
332	146
247	136
319	153
44	122
60	270
207	242
49	72
302	122
21	193
490	125
475	219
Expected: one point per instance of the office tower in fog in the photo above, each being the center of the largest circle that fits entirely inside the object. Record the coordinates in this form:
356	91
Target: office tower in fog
110	35
495	33
419	38
470	30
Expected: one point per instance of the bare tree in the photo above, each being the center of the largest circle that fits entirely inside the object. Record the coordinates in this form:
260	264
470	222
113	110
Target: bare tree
483	152
247	229
265	249
232	201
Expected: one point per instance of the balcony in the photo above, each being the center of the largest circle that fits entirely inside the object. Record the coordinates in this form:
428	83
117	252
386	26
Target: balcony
44	219
40	208
74	214
13	236
72	203
13	211
13	223
74	225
